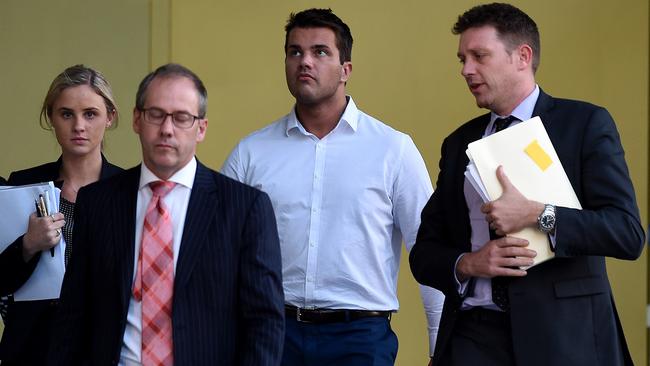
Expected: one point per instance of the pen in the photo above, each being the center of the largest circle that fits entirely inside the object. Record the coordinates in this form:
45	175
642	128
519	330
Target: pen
39	208
42	207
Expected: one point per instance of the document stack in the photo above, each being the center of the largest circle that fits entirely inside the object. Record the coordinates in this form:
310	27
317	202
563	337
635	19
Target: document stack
532	166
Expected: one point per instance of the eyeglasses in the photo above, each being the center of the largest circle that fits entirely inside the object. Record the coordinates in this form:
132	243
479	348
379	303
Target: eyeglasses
157	116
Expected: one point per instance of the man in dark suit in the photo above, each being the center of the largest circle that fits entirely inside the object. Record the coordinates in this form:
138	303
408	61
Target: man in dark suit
188	276
560	312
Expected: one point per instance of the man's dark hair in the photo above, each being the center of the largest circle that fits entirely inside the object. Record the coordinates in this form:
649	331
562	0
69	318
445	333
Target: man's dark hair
168	71
514	27
318	18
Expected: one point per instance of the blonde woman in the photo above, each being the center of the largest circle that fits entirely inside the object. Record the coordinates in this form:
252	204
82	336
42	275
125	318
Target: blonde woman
79	107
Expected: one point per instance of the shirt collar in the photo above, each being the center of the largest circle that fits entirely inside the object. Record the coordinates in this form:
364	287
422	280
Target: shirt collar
350	116
524	111
184	176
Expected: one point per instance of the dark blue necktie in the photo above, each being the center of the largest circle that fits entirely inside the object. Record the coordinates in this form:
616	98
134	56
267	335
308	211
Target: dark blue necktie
503	123
500	284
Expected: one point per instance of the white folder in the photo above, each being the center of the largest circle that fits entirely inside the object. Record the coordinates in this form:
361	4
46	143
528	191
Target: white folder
532	166
16	204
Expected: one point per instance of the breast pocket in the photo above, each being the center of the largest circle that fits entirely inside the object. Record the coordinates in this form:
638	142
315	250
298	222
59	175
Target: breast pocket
580	287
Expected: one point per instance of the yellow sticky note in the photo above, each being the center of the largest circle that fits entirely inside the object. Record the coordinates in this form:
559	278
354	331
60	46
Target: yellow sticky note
539	156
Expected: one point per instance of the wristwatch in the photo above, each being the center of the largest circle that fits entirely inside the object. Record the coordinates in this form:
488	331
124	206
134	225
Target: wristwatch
546	220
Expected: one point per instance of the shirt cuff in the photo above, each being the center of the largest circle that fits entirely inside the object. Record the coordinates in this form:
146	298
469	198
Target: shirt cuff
460	286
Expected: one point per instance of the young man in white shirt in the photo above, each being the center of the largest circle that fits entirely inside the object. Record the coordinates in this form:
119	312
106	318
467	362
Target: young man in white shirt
346	189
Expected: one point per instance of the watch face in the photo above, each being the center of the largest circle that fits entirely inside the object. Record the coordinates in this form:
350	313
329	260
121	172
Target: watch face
547	221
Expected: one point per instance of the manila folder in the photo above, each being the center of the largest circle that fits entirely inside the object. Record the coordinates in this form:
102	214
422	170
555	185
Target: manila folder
532	165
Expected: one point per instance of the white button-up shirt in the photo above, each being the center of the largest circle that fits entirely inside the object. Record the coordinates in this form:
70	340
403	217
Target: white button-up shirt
343	204
176	201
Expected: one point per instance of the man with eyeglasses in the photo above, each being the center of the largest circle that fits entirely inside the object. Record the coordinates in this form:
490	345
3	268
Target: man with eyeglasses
177	264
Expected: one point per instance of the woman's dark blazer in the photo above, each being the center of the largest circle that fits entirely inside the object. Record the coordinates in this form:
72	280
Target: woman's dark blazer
28	324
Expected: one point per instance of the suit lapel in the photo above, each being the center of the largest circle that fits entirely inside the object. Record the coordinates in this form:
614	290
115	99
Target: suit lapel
474	132
124	216
544	104
200	217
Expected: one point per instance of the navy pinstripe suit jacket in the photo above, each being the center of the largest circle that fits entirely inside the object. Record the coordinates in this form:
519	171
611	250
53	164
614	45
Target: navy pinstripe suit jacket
228	300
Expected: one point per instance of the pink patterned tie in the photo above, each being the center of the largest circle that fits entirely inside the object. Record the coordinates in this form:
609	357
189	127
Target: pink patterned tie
154	279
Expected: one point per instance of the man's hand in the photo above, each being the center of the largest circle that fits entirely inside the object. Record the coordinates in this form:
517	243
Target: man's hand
500	257
512	211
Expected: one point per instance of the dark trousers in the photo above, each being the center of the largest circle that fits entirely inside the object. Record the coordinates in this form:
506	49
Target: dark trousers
480	337
361	342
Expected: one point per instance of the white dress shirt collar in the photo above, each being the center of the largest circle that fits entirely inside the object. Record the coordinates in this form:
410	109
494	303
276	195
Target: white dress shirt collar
350	117
184	176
